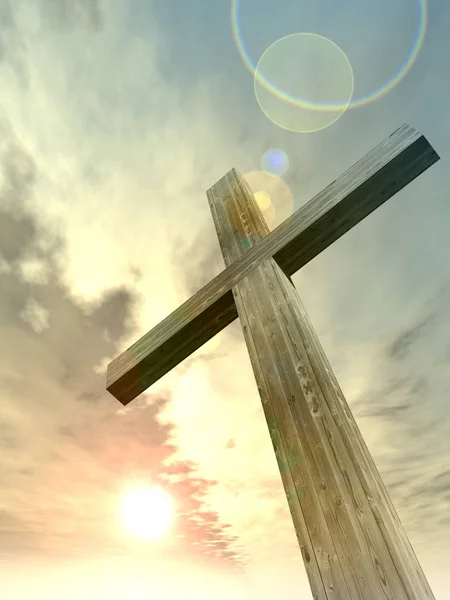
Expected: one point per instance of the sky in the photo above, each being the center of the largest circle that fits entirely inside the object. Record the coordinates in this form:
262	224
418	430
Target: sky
115	119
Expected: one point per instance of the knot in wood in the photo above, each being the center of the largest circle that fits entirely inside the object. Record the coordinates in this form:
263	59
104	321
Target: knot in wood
323	485
306	556
338	501
380	571
315	408
301	369
307	387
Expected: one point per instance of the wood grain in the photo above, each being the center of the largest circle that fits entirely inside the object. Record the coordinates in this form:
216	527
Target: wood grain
352	542
379	175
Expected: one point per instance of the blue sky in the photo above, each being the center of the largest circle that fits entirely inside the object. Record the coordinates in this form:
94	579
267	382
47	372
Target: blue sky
115	119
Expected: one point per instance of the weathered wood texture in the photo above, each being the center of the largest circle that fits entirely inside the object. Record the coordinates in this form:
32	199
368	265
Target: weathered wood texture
385	170
351	539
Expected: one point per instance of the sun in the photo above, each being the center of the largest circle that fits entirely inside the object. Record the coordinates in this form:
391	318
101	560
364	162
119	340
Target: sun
146	512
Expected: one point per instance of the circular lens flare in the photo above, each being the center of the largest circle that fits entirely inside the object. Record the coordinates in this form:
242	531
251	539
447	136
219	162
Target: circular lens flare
263	200
273	195
356	102
275	161
312	65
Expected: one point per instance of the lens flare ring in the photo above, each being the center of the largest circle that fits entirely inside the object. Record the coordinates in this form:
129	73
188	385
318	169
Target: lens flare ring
356	102
296	101
296	122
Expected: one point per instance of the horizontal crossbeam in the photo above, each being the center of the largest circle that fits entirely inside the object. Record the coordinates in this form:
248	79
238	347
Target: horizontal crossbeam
368	184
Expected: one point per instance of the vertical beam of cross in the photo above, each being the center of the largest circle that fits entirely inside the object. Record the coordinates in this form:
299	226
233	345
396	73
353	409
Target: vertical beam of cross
352	542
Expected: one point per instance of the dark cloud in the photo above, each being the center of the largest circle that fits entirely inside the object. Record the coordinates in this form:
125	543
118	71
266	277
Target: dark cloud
399	348
396	397
408	404
19	172
113	313
17	235
441	484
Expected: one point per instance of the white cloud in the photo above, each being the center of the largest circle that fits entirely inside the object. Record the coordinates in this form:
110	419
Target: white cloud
36	316
34	270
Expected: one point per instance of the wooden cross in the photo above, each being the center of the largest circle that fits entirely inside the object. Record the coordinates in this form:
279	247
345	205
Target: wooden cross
352	542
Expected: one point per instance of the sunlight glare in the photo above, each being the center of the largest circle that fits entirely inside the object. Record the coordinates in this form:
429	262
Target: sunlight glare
147	512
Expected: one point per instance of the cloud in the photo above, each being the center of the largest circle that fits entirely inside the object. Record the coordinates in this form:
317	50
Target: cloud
67	15
388	358
400	347
17	536
35	315
104	223
16	234
406	402
66	447
13	51
197	261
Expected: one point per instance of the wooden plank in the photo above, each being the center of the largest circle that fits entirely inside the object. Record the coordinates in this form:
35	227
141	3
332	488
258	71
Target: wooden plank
227	203
365	477
350	552
385	170
382	173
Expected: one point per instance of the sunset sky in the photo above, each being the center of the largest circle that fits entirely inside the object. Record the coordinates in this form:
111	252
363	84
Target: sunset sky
115	118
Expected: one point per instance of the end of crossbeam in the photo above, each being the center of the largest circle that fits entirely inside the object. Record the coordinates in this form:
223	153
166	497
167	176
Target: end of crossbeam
387	169
173	340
